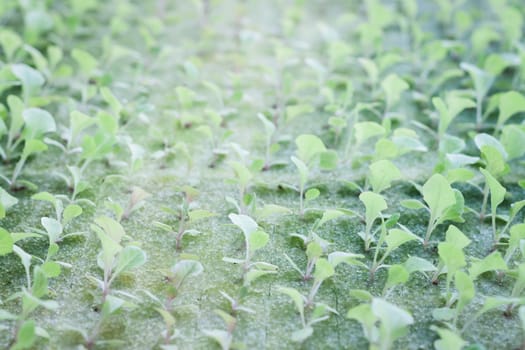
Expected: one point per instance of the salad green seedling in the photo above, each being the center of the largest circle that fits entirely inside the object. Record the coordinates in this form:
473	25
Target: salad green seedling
187	214
393	240
482	81
319	312
442	202
374	205
383	322
114	259
497	195
254	239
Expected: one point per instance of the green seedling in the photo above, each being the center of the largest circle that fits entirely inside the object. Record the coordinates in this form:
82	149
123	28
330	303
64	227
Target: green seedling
254	239
176	277
269	146
76	185
392	240
25	330
383	322
510	103
451	256
243	178
442	202
328	215
381	175
482	81
374	205
136	201
517	235
450	109
223	337
494	155
393	86
497	195
114	259
187	214
319	312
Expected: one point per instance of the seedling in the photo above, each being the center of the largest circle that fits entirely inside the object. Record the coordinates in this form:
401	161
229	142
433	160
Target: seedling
187	214
374	205
383	322
114	259
254	239
442	202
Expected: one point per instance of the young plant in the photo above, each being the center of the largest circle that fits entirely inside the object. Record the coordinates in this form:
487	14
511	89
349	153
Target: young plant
374	205
36	123
442	202
187	214
319	312
254	239
497	195
176	277
383	322
311	149
482	82
393	240
114	259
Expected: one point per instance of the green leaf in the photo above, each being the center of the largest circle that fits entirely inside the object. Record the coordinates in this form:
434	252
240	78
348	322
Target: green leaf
199	214
184	269
323	270
447	112
394	321
6	242
328	160
51	269
329	215
393	86
223	338
30	77
336	258
415	263
40	283
497	192
53	228
308	147
185	96
311	194
242	173
244	222
397	237
513	140
491	262
295	111
510	103
382	174
85	61
129	259
71	212
455	237
302	334
452	256
79	121
374	204
466	289
296	297
412	204
111	227
37	123
257	240
482	79
438	195
397	274
365	130
32	147
6	202
26	336
448	339
303	170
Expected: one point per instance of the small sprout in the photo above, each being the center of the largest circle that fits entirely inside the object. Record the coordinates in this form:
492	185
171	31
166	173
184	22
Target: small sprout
497	195
374	205
393	86
383	323
443	203
254	239
137	200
